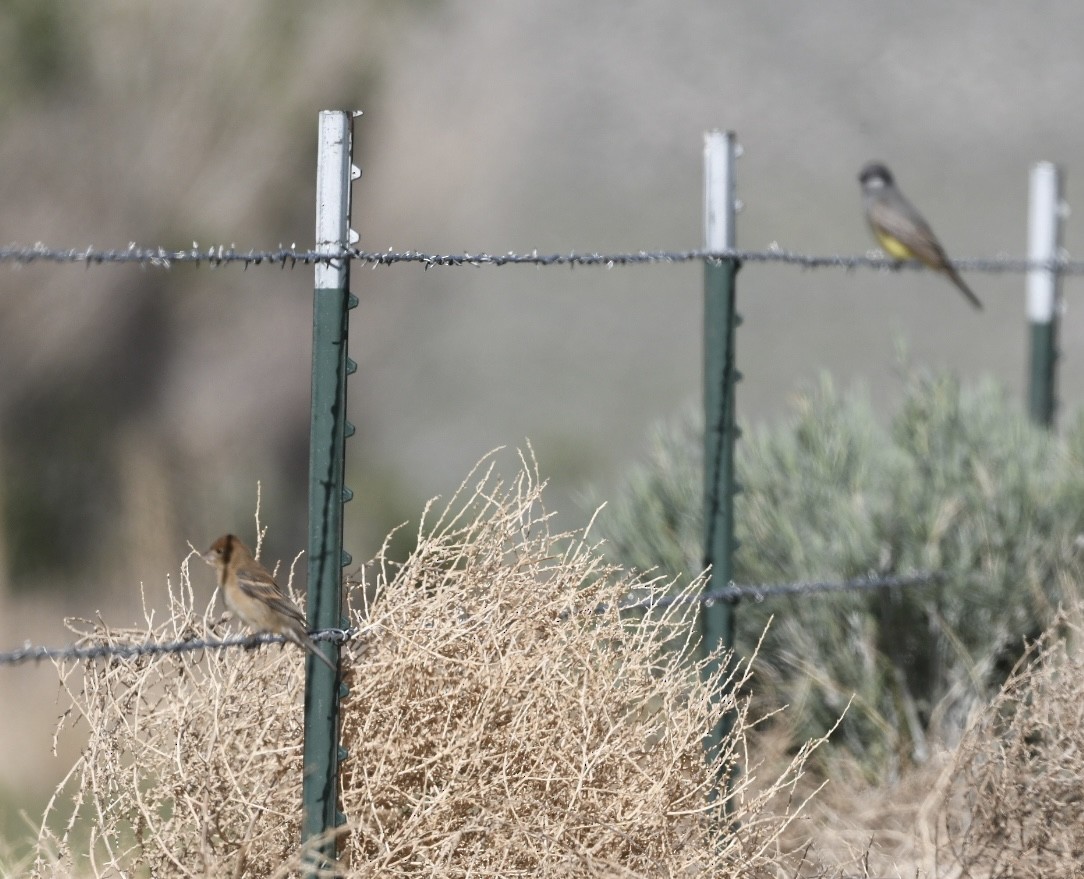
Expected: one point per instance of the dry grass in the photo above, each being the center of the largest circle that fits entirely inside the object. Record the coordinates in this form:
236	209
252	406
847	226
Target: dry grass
1016	803
497	725
1005	802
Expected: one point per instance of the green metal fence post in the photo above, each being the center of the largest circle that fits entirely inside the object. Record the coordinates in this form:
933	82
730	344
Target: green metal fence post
720	430
327	493
1045	211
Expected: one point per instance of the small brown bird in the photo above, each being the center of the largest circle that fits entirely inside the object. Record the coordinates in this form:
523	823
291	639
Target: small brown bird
252	593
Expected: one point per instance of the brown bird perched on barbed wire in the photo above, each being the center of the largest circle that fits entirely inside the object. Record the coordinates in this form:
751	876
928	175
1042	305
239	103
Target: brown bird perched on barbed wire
252	593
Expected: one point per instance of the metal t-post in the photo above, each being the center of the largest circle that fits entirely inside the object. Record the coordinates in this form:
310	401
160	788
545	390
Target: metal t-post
720	430
1045	211
327	493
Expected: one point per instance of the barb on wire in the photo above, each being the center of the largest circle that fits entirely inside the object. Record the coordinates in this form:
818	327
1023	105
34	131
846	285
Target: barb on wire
32	653
733	593
290	257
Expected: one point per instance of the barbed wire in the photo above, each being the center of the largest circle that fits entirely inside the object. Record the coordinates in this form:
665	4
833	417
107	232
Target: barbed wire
163	257
993	265
290	257
730	593
31	653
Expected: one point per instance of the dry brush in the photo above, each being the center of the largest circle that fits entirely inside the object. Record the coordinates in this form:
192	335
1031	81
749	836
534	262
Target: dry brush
503	719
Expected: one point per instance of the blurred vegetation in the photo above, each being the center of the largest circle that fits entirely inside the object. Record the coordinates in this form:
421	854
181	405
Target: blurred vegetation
39	51
959	482
121	128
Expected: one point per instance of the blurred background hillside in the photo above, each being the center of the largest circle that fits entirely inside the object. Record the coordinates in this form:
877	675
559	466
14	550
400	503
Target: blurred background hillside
139	407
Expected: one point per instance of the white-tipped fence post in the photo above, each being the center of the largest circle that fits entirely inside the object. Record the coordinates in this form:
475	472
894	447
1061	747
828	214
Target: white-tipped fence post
720	429
332	301
1046	209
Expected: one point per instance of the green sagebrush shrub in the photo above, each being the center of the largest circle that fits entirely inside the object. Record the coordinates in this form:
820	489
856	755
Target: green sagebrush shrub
958	482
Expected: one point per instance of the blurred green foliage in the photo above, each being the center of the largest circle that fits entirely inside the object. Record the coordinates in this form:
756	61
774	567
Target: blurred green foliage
959	482
38	50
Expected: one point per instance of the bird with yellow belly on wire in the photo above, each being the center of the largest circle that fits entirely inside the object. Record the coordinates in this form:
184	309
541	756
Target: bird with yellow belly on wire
900	228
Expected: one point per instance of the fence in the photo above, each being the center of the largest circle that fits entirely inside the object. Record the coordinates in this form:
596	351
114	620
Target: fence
332	257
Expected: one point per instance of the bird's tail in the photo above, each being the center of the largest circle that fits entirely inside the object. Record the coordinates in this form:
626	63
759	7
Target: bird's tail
310	645
959	282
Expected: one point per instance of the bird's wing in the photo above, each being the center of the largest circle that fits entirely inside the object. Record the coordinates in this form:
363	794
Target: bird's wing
901	221
258	585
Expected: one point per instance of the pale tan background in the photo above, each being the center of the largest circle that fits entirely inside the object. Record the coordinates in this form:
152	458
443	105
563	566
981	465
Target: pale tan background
139	407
